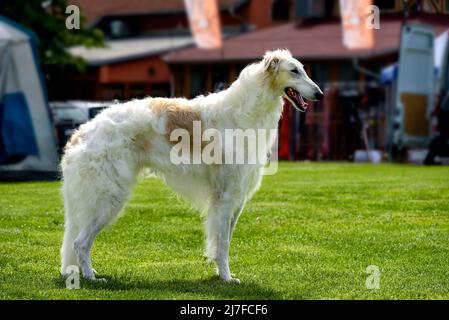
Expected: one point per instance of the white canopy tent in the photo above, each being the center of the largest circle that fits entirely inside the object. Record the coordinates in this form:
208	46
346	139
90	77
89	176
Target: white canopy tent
27	138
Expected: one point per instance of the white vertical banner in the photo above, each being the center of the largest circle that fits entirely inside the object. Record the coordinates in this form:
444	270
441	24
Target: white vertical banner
355	19
204	22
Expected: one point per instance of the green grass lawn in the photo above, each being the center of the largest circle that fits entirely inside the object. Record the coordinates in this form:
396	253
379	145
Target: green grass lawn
309	233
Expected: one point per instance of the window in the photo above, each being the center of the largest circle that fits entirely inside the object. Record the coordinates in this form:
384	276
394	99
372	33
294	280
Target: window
179	82
198	81
434	6
160	89
137	90
281	10
119	29
114	92
321	72
385	4
347	72
219	78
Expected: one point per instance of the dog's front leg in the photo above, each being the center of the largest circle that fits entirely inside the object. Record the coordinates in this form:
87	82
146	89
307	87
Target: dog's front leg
218	227
234	219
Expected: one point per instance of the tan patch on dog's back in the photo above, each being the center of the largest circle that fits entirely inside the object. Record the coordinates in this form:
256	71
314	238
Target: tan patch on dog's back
178	113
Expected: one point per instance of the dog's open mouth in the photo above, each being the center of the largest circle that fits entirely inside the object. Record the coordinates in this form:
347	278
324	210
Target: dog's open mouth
296	99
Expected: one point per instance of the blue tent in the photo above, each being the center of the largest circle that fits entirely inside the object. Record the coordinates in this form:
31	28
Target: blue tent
27	138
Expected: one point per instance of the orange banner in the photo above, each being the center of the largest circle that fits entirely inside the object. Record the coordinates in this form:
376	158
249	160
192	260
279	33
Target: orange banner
358	33
204	22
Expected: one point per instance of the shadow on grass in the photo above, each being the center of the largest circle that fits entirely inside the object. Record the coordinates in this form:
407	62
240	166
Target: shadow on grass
212	287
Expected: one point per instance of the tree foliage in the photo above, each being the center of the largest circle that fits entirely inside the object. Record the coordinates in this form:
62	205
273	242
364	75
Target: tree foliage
47	19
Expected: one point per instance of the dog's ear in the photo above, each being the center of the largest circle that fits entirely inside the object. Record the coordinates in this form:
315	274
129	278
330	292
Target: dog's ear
271	62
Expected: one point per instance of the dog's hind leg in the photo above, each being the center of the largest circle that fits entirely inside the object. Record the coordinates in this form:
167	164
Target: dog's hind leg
68	254
106	210
71	229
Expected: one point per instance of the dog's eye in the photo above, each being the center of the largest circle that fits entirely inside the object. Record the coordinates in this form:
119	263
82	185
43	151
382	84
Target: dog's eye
295	71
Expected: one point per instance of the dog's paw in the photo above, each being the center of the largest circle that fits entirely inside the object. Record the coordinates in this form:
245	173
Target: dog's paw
230	279
96	280
233	280
100	280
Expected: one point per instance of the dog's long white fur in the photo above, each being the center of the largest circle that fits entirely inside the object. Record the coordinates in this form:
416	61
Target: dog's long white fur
104	157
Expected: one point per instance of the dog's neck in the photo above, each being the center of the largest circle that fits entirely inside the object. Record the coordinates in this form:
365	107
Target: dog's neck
253	102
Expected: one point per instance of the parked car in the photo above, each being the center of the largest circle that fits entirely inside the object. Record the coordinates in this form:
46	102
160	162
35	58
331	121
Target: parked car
69	115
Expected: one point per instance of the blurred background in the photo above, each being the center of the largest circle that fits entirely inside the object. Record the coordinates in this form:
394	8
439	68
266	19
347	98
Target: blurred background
386	89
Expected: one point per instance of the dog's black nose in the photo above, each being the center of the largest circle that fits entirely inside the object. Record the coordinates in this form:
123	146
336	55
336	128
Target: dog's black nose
319	95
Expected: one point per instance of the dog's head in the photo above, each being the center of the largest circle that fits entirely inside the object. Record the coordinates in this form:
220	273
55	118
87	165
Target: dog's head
286	76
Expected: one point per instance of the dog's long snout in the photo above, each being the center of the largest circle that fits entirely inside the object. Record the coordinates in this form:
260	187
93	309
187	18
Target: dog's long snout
319	95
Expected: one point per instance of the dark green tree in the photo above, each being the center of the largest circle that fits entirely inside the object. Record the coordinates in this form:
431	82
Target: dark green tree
47	19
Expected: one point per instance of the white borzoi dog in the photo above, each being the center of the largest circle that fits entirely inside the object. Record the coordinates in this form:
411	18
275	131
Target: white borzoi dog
103	158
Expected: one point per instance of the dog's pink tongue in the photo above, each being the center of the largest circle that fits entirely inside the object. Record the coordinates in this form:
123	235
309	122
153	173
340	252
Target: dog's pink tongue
299	99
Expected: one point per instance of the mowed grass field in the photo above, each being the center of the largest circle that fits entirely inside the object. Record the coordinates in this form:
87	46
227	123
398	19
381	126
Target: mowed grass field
309	233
